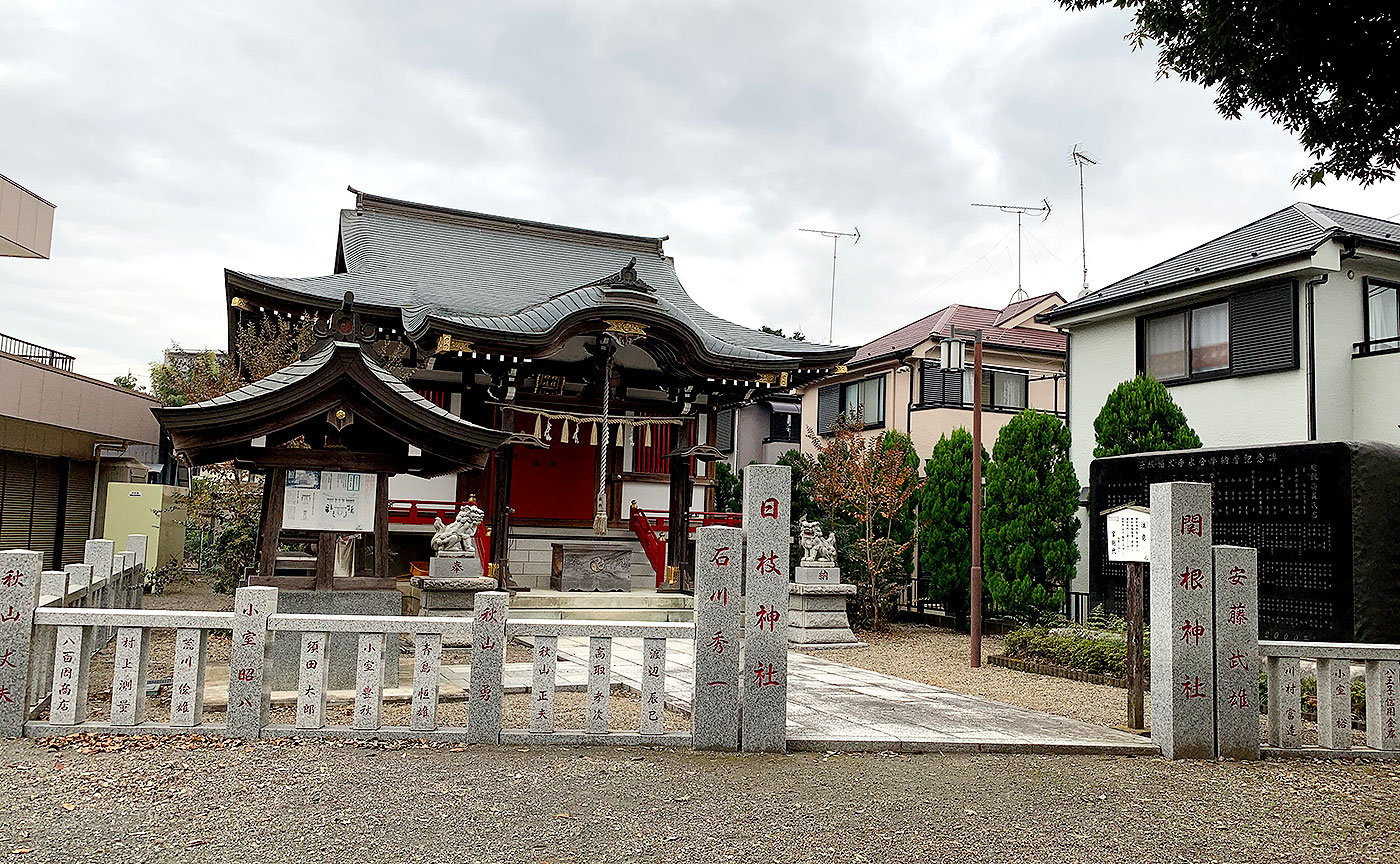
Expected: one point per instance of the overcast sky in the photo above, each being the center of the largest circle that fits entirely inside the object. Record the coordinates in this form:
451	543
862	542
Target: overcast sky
177	141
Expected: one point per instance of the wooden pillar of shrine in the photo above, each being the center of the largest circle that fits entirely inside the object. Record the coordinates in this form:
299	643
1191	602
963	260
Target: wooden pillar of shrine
678	542
504	463
274	493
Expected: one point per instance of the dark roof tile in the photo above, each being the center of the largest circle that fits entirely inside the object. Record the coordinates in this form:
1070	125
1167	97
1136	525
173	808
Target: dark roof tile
1292	232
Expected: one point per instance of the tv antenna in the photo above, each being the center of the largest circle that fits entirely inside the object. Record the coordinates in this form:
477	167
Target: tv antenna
1081	157
835	238
1020	211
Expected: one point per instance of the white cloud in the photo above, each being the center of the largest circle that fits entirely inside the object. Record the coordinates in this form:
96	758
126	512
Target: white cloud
178	141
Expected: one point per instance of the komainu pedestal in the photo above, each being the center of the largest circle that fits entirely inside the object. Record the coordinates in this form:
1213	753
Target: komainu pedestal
817	609
450	588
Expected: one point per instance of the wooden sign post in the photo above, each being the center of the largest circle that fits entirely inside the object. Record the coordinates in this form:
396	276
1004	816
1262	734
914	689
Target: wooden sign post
1129	540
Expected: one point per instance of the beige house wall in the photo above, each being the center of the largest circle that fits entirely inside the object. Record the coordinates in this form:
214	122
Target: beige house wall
926	425
26	222
51	412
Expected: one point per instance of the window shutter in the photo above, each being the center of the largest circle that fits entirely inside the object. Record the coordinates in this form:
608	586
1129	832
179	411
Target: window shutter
1263	330
77	511
939	386
45	511
724	431
17	485
828	406
930	383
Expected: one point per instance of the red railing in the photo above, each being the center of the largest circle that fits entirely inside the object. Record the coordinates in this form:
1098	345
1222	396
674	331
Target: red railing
646	523
414	512
653	546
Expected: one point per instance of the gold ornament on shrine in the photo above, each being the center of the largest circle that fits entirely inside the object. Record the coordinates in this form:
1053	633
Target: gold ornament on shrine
447	342
627	328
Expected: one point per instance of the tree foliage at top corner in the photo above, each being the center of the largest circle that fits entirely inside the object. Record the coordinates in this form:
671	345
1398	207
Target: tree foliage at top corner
1140	416
1319	70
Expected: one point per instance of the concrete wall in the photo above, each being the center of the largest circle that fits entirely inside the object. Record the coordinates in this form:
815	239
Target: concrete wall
1375	387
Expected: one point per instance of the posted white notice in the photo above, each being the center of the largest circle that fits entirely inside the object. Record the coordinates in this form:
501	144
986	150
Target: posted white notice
329	501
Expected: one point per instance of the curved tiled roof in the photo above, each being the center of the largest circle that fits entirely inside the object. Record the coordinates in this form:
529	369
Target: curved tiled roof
472	272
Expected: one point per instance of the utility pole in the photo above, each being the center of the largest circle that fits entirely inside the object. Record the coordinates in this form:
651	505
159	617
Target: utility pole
952	358
1081	158
1020	211
835	237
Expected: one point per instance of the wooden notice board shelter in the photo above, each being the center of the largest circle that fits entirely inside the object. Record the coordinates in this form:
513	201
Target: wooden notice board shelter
326	433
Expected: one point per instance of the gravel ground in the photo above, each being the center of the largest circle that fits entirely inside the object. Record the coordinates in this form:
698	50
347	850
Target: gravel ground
174	801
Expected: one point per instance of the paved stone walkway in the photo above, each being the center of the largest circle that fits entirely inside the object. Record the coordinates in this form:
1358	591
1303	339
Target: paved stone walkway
832	706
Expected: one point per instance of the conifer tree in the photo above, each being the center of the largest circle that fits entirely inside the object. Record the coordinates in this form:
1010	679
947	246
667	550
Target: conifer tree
945	521
1032	494
1140	416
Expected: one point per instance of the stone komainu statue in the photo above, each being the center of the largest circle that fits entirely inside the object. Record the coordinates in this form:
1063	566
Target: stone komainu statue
460	536
816	548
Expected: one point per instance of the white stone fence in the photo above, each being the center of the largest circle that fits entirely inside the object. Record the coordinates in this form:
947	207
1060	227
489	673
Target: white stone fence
1282	663
60	668
739	695
105	580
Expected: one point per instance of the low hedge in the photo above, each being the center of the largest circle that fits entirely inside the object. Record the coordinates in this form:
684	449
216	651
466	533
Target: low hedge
1085	650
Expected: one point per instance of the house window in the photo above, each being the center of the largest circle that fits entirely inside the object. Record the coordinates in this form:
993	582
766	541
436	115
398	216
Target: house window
1210	338
945	387
1382	316
724	430
784	422
866	397
1003	389
1253	331
1166	347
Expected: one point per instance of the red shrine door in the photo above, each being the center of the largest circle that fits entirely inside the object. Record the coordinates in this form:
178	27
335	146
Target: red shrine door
558	483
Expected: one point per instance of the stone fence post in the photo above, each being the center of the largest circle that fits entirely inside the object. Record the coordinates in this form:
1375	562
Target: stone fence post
249	686
19	594
487	667
719	561
1183	650
1237	652
136	544
768	528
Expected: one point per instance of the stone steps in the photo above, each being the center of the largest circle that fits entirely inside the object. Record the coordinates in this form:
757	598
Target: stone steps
599	600
682	616
603	606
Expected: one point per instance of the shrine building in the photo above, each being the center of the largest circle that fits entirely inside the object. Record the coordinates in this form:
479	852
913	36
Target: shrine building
583	339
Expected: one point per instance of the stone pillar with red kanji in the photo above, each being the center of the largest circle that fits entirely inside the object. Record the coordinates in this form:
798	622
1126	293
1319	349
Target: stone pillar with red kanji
19	594
1382	701
487	667
1236	652
249	687
768	529
719	560
1183	649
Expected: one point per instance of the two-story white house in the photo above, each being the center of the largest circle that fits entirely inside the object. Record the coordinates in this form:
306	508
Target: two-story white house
1280	331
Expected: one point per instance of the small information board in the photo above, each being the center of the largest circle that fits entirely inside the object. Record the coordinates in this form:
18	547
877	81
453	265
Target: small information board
329	501
1129	534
